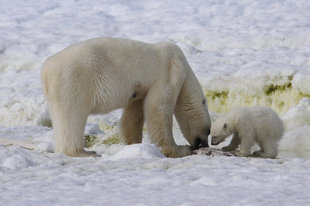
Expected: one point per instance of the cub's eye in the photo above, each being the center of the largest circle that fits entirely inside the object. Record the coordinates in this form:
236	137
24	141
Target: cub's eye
203	101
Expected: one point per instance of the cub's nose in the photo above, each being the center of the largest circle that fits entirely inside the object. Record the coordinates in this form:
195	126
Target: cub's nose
199	143
214	141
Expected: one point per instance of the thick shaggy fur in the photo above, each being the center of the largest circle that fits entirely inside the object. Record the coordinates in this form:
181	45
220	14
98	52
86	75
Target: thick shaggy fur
150	81
249	125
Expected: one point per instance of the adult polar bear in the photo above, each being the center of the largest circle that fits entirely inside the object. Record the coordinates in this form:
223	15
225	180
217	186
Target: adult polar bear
150	81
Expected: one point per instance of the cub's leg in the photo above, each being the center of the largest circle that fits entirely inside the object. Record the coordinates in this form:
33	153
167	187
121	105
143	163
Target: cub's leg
159	107
245	147
261	150
269	149
132	121
235	142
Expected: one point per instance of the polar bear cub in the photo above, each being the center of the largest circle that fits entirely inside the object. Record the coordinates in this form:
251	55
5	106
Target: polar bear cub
249	125
151	82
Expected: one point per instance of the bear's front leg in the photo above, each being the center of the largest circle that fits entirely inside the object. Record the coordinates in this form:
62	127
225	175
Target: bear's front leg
158	108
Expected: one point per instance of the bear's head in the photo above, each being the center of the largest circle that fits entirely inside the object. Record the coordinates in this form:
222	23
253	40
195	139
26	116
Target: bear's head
220	130
195	122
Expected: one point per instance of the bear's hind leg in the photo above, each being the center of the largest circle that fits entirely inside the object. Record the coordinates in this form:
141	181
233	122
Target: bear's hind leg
132	121
70	103
69	132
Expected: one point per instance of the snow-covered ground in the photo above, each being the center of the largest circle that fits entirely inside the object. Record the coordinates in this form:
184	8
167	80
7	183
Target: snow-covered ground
243	52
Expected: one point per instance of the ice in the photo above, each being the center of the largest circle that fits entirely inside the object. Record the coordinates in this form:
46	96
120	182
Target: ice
243	52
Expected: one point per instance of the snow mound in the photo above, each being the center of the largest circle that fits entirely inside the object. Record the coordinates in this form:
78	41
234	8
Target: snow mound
298	116
17	161
138	151
296	140
45	147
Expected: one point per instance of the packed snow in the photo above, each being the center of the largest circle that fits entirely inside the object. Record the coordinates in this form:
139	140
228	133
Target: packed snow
243	53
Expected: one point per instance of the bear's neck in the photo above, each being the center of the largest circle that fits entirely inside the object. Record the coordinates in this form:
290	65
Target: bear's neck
191	85
187	105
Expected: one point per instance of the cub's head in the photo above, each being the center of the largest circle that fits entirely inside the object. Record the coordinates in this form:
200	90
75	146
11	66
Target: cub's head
220	130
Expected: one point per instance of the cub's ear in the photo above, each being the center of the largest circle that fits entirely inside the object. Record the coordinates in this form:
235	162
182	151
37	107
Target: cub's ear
225	126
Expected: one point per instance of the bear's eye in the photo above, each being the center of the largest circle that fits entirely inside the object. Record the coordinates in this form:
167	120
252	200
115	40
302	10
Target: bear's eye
203	101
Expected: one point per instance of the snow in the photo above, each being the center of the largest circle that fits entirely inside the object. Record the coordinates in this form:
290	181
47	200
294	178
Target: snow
137	151
298	116
243	53
54	179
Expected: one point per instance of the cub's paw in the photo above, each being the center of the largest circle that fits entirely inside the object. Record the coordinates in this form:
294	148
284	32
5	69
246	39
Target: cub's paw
257	154
240	154
227	149
264	154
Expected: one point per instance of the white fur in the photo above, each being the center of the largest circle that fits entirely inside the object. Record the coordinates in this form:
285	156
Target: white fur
249	125
150	81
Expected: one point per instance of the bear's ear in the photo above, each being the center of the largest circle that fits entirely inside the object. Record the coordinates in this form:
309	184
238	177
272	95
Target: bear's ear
225	126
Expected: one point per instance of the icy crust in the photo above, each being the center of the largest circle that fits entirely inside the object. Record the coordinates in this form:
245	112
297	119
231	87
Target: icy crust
280	97
22	101
277	77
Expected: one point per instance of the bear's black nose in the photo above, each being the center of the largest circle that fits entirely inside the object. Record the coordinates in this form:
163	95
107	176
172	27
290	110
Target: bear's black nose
208	132
199	143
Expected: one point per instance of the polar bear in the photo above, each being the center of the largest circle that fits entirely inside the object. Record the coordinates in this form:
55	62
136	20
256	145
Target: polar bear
150	81
249	125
